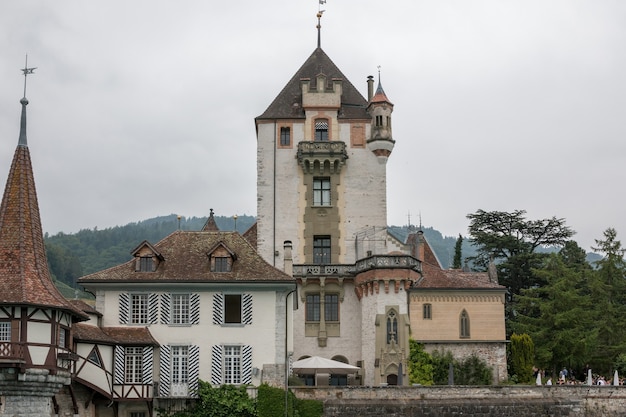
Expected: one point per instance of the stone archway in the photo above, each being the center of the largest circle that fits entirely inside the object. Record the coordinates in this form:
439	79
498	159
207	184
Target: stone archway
392	379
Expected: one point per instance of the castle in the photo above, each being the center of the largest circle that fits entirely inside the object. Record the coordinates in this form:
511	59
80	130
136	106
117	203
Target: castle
217	306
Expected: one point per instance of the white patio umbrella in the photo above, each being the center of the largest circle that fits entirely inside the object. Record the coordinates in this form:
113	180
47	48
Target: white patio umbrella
319	365
538	381
589	378
615	378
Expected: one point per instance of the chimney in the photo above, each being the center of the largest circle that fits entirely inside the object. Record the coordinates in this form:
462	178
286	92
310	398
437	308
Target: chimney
370	87
288	259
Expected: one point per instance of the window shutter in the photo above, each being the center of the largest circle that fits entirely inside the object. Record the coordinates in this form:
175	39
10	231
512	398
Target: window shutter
165	371
146	365
194	308
217	355
246	364
166	302
246	307
118	367
194	369
153	308
218	308
124	308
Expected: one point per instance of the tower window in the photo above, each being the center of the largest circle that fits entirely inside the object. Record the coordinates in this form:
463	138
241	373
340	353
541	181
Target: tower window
464	325
285	136
312	307
378	121
321	131
321	250
392	327
321	191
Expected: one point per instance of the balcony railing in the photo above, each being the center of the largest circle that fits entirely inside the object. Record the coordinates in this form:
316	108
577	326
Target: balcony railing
11	352
371	262
322	155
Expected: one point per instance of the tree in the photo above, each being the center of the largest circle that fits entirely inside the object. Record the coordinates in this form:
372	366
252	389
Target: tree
608	295
223	401
522	357
556	316
420	364
456	262
513	242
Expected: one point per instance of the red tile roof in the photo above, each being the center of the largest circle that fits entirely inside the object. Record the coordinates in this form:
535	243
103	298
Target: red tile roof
113	335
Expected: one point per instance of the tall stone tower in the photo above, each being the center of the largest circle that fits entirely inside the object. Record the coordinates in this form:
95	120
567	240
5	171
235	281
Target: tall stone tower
35	319
322	151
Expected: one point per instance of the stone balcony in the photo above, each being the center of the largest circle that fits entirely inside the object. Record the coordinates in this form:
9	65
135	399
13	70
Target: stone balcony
371	262
322	157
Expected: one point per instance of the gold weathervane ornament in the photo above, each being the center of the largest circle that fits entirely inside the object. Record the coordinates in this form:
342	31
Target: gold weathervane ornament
27	71
319	24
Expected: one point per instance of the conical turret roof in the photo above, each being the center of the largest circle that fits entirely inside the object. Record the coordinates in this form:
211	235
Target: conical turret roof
24	275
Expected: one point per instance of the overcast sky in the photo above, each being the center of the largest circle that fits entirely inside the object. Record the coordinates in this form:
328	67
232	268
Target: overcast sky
146	108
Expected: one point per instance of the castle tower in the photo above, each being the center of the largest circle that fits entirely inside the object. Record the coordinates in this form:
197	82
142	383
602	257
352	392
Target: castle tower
322	150
35	319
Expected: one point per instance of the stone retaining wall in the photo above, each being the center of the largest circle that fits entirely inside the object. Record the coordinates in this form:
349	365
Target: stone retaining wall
444	401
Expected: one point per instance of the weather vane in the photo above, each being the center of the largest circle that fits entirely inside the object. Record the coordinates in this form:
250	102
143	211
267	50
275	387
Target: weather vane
27	71
319	22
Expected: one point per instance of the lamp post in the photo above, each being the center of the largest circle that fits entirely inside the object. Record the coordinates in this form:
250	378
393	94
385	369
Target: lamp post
235	218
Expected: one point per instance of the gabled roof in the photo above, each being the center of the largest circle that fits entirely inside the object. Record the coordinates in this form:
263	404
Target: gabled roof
24	275
186	260
146	244
353	104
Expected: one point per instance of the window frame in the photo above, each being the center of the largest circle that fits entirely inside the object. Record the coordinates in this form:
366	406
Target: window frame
313	310
139	308
232	363
427	311
285	136
179	356
5	331
221	264
321	132
322	191
133	365
392	327
146	264
233	308
331	307
322	250
180	308
464	325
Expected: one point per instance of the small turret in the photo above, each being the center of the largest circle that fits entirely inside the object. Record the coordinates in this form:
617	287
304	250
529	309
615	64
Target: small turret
381	142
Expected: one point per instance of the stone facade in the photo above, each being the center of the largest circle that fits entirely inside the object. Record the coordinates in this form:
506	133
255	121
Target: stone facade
29	394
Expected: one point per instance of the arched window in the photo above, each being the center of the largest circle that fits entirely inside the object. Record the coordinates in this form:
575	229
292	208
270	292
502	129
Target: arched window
464	325
392	327
321	130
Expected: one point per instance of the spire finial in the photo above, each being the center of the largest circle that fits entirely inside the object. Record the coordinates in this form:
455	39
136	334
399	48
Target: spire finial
320	12
27	71
379	74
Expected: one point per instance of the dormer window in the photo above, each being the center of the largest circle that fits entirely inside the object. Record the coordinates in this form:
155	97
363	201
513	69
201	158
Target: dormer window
146	264
321	130
221	258
221	264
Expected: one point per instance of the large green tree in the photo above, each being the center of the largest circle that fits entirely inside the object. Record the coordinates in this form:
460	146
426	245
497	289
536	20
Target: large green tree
608	295
513	242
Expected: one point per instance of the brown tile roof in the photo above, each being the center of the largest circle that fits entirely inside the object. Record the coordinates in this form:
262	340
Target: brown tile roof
131	335
434	277
114	335
24	275
186	259
84	307
251	235
353	104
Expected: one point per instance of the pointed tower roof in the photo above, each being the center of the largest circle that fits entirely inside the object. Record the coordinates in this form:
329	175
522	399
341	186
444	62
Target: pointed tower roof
24	275
380	96
210	225
288	103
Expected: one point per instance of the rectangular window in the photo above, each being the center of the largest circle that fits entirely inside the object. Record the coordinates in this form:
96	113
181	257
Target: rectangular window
221	264
232	308
232	364
321	131
5	331
145	264
139	308
285	136
321	250
379	120
313	307
321	191
180	309
180	364
132	365
331	307
63	337
427	311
